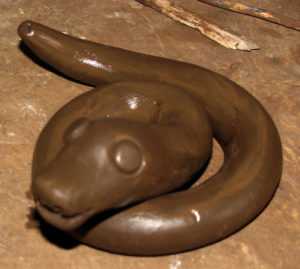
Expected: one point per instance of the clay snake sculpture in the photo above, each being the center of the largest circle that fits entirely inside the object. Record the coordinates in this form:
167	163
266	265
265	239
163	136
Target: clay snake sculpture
129	144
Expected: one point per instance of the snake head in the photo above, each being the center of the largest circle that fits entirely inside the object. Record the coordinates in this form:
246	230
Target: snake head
104	164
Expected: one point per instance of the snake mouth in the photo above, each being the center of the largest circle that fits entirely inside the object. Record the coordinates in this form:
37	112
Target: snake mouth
61	221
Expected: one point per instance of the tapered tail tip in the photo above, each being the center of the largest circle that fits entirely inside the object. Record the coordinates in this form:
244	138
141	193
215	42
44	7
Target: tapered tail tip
25	29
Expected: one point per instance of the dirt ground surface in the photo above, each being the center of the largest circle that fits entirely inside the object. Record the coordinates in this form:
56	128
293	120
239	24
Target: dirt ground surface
31	94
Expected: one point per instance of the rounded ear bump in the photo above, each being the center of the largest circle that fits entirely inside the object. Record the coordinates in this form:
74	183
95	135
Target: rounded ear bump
76	130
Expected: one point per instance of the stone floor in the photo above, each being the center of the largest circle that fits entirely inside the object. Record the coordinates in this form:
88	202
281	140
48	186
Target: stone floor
30	94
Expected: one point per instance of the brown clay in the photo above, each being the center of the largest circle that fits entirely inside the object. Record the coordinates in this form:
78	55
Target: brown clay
126	145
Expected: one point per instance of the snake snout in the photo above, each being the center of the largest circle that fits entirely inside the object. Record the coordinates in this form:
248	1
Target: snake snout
55	205
56	197
50	196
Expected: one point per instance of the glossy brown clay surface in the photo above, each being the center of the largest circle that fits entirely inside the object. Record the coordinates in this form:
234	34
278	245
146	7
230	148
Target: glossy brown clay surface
31	95
145	134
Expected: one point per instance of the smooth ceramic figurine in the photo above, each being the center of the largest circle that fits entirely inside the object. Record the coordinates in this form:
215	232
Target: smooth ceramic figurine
107	165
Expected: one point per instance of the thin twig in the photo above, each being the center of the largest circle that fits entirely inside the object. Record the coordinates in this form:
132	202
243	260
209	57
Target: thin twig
255	12
193	20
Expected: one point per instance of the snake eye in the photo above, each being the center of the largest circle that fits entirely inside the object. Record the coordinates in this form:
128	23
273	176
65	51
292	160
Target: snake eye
128	156
76	130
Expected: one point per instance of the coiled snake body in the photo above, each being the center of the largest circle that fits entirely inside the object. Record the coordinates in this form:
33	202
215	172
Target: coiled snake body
145	132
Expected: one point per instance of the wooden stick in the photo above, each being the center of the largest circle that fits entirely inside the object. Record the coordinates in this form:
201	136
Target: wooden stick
255	12
193	20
